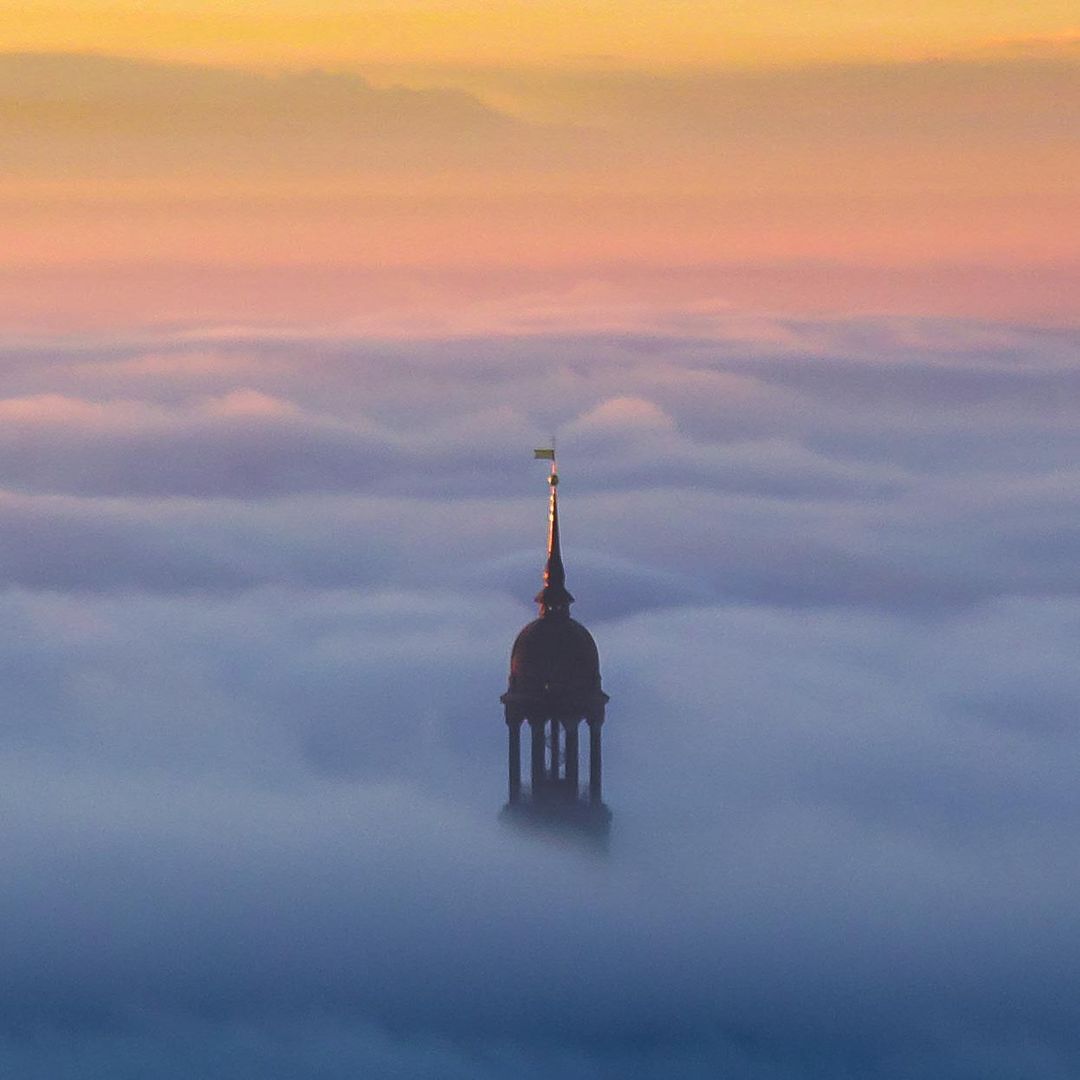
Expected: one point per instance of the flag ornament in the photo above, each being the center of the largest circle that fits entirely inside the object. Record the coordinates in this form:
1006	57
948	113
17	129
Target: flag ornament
545	454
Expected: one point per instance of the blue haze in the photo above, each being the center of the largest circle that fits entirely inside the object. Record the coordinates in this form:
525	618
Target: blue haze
257	602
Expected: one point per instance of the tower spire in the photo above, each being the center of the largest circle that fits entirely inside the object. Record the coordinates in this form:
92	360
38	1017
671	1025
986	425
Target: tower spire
553	598
555	688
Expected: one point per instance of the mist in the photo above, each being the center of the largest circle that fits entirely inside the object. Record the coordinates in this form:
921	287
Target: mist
258	596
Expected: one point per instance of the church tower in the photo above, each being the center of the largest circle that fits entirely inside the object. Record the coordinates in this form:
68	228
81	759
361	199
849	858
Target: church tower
554	694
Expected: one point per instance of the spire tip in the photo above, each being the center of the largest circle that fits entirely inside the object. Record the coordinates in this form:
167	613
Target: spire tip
554	598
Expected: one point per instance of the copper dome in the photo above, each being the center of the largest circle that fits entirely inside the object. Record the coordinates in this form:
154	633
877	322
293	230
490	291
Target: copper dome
554	656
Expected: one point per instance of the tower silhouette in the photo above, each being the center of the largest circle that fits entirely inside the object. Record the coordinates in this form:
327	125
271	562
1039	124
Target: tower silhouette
555	688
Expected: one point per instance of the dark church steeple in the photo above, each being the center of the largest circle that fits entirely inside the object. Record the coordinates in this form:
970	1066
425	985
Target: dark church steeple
554	686
553	598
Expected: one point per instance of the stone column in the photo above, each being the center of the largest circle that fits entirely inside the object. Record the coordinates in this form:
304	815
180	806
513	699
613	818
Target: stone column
572	757
596	791
513	724
554	751
537	726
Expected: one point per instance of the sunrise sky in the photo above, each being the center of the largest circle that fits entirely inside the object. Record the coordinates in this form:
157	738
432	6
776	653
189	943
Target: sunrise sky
289	292
439	167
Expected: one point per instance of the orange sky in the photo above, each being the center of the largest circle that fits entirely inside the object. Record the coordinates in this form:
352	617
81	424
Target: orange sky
196	161
644	34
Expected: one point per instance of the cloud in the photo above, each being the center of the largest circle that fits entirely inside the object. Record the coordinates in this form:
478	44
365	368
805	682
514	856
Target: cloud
81	108
125	116
623	413
253	753
164	194
905	103
1060	43
932	474
807	831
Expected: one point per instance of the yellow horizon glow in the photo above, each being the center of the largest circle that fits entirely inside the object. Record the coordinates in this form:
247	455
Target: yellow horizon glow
648	34
616	154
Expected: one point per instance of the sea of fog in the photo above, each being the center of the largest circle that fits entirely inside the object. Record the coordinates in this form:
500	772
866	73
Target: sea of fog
257	601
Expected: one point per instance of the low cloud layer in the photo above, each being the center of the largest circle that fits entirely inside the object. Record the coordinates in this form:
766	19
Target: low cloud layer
257	602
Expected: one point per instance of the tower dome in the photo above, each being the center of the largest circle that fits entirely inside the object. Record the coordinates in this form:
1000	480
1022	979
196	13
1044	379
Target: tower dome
556	657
